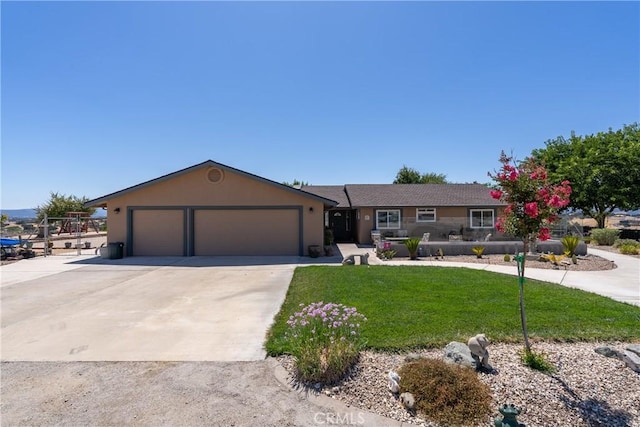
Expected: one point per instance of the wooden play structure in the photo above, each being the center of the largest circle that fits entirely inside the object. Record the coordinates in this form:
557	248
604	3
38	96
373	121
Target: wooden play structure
78	222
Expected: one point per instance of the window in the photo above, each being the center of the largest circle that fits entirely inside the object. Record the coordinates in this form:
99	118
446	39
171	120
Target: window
426	215
388	219
481	218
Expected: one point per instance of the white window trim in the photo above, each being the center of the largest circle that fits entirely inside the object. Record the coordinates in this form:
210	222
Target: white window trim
389	210
493	218
433	210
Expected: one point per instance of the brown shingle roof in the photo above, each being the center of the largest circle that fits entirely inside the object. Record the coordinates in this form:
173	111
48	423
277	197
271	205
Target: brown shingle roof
429	195
331	192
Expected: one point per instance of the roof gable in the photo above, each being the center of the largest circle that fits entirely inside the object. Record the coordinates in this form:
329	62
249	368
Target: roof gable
100	201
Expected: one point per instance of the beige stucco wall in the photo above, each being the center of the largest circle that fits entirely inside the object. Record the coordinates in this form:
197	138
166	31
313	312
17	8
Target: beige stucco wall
449	217
194	189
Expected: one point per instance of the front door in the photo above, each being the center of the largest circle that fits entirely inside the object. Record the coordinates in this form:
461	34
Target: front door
341	224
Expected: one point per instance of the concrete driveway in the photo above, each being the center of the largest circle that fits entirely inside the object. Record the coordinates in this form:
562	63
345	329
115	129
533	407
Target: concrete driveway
141	309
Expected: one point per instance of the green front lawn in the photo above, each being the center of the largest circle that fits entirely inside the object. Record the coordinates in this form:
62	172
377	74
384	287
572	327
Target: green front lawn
423	307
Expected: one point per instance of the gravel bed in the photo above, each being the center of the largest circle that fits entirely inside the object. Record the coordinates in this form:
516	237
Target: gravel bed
585	263
587	390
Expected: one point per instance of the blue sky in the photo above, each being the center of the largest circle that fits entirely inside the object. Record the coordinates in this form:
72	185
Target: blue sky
99	96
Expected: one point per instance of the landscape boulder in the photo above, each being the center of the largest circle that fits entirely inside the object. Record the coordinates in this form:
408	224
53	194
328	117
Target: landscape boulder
459	353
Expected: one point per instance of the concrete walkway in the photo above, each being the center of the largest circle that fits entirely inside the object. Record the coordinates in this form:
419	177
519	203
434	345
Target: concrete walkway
621	284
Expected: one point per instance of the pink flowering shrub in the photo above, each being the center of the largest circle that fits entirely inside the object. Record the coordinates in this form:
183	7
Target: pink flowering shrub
532	205
532	202
325	340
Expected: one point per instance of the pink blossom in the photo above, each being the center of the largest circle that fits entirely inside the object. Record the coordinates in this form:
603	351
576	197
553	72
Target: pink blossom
544	234
556	202
531	209
500	224
513	176
496	194
508	209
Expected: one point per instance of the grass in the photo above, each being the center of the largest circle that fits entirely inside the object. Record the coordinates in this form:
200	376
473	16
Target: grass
427	307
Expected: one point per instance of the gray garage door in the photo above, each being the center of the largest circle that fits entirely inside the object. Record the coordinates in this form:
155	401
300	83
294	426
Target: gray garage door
246	232
158	232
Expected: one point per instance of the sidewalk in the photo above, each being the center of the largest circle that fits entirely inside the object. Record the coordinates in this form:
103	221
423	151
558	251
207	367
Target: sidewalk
621	284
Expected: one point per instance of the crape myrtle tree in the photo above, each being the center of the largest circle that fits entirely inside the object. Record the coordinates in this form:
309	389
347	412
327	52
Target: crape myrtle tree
532	204
407	175
59	204
603	170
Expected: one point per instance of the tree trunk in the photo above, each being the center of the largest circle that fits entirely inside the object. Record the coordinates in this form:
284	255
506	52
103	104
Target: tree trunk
523	314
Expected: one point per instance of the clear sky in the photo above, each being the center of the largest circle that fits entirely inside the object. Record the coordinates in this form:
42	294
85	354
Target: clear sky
99	96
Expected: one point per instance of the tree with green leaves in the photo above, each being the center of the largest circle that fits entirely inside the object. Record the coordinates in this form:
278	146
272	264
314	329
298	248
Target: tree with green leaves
602	168
295	183
59	204
407	175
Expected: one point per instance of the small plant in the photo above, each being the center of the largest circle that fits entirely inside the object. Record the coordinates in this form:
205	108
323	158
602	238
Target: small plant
570	243
446	393
574	259
478	250
553	258
604	236
325	340
626	242
328	237
537	361
629	250
412	245
440	253
587	240
507	258
386	254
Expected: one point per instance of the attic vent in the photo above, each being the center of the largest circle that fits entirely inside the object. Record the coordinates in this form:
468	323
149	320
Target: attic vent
215	175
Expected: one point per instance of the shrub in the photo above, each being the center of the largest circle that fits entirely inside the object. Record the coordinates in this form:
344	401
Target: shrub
507	258
478	250
604	236
626	242
325	340
412	245
537	361
587	240
570	243
629	250
386	253
446	393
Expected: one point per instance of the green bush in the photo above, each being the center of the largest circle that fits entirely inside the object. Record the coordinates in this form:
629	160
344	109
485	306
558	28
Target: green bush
537	361
446	393
570	243
629	249
626	242
412	245
604	236
324	340
507	258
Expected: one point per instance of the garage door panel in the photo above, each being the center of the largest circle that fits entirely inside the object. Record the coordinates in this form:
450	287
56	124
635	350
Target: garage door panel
158	233
246	232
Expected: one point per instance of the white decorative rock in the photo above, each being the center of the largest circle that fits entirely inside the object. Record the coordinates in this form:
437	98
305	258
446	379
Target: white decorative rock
394	382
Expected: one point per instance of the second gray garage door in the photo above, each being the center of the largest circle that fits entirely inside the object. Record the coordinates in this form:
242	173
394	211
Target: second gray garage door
246	232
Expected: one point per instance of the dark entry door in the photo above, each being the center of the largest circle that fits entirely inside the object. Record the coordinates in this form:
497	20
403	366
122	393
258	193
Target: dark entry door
341	224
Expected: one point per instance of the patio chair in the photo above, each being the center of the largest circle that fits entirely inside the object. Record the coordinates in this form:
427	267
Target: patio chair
425	237
486	239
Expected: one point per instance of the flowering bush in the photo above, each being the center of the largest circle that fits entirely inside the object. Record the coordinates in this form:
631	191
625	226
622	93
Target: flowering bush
532	205
325	340
532	202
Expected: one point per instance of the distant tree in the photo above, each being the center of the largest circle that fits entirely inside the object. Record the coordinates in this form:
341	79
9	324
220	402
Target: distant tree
59	204
603	170
4	218
295	183
407	175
